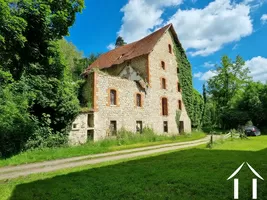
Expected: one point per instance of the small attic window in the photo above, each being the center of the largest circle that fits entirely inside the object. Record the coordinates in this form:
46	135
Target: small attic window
170	48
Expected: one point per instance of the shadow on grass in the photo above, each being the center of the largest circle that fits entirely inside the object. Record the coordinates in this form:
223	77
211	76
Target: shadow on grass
188	174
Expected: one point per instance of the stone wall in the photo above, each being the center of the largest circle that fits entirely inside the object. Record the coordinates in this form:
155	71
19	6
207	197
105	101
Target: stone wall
78	133
126	113
159	54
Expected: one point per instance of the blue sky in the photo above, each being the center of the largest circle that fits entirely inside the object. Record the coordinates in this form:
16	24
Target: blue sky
207	29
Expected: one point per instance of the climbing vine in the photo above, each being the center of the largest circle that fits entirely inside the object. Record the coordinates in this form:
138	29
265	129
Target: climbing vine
185	78
198	108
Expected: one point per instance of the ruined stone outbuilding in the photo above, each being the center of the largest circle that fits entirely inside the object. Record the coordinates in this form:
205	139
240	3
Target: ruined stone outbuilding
132	87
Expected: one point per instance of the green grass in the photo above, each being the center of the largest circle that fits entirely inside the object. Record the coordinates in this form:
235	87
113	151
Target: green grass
125	140
191	174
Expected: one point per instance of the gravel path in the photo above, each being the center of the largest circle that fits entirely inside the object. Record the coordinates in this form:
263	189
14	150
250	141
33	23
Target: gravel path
49	166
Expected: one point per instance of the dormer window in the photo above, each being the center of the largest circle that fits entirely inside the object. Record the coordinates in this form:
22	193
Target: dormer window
163	65
170	48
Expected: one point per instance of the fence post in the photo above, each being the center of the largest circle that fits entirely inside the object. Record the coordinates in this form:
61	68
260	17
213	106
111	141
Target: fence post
211	139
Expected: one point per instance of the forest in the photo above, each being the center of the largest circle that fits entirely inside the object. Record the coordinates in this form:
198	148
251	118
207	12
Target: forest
40	80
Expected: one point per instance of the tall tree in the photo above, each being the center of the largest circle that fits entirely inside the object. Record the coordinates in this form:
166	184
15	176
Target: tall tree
32	64
119	42
230	77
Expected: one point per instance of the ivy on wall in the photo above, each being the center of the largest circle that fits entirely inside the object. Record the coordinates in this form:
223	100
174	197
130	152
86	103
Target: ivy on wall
86	92
185	78
198	108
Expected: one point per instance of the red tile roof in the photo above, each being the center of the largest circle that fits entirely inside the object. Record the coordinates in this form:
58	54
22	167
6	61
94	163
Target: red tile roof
129	51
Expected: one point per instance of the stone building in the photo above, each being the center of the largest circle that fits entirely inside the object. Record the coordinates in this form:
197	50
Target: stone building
132	87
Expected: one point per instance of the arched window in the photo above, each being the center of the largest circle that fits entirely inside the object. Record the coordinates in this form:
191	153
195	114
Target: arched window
138	100
170	48
180	104
163	65
113	97
163	83
164	105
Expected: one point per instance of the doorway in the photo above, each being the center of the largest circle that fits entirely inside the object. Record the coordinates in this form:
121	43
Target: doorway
181	127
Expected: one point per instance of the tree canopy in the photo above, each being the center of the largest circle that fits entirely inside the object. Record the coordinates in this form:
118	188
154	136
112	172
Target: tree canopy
119	42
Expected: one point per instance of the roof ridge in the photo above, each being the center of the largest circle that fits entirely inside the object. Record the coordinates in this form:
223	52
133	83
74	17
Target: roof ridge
129	51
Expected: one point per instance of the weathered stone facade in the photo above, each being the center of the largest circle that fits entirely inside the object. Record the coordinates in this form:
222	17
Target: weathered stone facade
126	113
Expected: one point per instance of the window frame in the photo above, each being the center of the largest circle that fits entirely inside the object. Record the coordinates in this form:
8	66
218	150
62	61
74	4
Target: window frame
114	132
109	100
179	89
138	95
164	106
180	104
163	65
163	82
170	48
141	126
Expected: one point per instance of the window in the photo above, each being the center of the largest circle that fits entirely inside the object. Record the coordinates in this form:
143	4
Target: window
138	100
164	105
170	49
163	83
179	87
165	127
113	97
163	65
139	126
180	104
74	126
113	128
178	70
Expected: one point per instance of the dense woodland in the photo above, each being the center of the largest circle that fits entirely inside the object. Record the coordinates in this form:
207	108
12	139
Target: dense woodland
40	80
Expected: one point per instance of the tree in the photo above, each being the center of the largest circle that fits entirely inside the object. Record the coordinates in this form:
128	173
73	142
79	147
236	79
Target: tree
32	65
230	77
80	65
119	42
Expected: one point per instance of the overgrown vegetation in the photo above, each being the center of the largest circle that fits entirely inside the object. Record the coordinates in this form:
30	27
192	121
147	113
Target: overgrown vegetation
124	140
35	77
185	78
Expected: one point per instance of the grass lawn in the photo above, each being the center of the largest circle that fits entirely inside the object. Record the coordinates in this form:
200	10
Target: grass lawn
128	141
197	173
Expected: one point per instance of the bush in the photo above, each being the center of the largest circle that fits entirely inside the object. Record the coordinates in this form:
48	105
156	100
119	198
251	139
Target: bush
44	137
16	124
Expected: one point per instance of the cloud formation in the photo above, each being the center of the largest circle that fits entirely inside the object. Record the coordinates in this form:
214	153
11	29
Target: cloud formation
143	16
258	68
220	23
264	18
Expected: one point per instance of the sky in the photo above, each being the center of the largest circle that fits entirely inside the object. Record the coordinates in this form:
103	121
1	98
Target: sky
207	30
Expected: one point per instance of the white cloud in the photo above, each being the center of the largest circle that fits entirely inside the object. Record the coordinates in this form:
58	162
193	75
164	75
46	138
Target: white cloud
111	46
258	68
207	75
143	16
205	31
264	18
235	46
198	75
208	64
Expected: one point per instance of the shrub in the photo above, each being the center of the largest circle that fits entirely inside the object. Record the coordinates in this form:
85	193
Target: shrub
16	125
